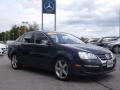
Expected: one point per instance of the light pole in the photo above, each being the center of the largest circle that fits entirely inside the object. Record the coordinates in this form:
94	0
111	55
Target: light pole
13	35
119	22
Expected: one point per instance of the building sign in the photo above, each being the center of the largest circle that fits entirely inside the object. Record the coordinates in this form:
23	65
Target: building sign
49	6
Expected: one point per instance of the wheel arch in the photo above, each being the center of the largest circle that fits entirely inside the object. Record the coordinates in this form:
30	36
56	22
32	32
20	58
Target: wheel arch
67	57
115	46
11	53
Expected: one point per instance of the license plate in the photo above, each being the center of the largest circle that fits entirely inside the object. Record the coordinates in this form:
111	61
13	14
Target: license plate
109	63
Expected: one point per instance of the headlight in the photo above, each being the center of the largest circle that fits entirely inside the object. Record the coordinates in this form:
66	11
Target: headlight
86	55
112	55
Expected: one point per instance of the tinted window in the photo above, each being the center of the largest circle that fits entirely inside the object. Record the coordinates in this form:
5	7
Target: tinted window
40	37
28	38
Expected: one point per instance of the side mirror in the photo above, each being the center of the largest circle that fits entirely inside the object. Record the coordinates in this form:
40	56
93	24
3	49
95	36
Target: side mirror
45	42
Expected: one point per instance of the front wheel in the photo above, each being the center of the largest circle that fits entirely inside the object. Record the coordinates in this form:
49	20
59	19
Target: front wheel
62	69
14	62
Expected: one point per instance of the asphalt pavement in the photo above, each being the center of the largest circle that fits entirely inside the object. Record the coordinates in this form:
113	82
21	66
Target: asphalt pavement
34	79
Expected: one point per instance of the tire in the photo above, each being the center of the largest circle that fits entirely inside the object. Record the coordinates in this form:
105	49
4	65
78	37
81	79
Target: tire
116	49
62	69
14	62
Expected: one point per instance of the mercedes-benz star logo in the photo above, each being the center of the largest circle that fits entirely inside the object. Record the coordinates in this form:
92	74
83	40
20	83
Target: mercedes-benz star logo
49	6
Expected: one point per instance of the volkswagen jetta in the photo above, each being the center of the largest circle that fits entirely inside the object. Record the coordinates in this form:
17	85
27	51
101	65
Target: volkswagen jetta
62	53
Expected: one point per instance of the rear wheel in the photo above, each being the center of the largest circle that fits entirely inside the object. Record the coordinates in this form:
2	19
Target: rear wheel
62	69
116	49
14	62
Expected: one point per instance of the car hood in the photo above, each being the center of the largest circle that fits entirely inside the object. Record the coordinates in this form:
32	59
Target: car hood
2	46
89	48
114	42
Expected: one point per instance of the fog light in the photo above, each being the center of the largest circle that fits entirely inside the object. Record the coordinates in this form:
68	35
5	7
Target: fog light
77	65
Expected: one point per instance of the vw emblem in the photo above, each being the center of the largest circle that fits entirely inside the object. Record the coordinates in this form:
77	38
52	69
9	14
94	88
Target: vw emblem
49	6
107	56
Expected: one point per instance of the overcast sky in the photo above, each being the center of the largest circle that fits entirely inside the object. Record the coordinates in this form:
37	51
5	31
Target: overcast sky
91	18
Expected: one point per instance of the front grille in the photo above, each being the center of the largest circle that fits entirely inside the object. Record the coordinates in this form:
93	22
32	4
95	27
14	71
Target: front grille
107	56
94	70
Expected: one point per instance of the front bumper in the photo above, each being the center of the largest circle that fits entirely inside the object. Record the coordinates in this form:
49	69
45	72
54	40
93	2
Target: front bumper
95	69
3	51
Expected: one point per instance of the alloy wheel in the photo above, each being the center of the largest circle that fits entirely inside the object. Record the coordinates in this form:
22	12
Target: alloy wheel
62	69
14	62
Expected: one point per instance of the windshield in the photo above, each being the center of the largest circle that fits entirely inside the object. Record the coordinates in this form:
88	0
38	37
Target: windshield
63	38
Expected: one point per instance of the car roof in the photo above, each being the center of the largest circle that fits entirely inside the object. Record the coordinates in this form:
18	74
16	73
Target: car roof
44	31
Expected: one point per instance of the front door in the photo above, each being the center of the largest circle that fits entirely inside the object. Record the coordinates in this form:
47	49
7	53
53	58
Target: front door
26	48
43	53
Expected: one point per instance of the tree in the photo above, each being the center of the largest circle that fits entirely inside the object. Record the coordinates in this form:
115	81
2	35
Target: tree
22	30
17	31
3	36
33	27
13	34
0	37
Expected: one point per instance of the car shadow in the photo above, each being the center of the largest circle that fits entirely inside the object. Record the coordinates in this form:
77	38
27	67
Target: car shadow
38	71
94	78
82	79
